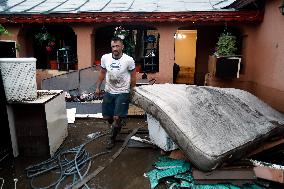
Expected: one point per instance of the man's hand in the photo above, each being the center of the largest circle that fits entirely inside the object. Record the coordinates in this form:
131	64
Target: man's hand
102	75
98	92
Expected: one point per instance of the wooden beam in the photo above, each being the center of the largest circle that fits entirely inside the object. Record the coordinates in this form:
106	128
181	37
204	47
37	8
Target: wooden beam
235	175
268	173
267	145
129	17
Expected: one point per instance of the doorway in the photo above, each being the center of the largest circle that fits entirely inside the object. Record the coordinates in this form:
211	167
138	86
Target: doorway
44	41
185	55
140	42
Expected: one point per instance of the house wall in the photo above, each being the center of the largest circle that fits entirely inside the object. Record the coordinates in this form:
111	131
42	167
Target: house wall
264	56
263	50
86	52
166	54
207	37
85	45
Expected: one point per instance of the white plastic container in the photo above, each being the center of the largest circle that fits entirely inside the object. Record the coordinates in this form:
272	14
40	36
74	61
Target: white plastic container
19	78
158	135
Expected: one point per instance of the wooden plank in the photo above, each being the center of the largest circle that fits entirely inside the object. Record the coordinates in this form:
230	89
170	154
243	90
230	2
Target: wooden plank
237	176
269	173
242	173
267	145
127	17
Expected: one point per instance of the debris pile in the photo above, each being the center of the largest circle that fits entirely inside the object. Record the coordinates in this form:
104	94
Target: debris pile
178	174
210	125
83	97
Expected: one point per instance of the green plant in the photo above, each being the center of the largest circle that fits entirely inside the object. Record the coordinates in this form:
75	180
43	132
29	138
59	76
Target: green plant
3	30
47	41
44	37
226	45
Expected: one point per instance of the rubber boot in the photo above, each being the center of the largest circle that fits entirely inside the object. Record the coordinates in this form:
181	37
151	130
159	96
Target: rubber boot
114	132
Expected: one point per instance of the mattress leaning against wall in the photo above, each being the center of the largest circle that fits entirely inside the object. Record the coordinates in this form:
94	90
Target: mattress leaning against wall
211	125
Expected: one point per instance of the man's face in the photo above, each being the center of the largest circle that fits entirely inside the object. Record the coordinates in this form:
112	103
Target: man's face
116	48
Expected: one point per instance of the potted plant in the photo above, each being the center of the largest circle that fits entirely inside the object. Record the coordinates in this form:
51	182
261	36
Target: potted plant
226	45
225	63
47	41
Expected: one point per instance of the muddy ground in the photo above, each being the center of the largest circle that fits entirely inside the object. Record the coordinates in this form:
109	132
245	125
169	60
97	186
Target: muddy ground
126	171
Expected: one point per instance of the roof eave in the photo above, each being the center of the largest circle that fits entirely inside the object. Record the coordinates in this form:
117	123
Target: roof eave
129	17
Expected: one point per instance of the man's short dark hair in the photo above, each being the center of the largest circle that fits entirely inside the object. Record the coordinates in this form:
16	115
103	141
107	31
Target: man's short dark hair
117	39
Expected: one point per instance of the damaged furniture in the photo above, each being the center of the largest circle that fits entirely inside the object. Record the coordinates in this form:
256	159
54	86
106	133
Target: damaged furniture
37	119
40	126
210	125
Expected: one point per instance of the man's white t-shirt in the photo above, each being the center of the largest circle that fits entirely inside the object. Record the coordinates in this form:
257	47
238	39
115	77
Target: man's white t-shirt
117	73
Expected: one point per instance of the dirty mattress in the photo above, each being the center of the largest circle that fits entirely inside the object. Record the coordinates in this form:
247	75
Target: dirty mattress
210	125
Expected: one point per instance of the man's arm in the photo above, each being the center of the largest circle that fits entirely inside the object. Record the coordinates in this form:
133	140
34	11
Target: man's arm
102	75
133	79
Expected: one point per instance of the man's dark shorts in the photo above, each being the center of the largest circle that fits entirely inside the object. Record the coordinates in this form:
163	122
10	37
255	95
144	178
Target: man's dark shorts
115	105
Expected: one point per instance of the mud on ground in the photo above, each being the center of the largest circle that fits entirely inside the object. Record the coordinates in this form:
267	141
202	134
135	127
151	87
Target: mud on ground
125	172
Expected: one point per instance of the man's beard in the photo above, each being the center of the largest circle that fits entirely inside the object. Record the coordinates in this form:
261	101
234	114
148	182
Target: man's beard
115	53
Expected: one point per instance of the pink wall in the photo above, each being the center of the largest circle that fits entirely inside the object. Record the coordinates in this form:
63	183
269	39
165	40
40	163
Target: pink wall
263	53
265	48
85	45
264	56
166	54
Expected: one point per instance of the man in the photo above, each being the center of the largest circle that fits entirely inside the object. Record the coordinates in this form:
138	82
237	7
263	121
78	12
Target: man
119	71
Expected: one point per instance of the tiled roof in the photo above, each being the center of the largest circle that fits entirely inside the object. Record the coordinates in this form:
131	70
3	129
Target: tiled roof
105	6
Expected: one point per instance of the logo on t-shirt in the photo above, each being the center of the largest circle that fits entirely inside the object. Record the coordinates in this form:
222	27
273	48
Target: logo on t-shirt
115	65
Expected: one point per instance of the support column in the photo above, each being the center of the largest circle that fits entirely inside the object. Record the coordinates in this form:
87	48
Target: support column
166	53
85	45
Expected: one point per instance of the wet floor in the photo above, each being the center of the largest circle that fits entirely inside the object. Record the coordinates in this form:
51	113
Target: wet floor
126	171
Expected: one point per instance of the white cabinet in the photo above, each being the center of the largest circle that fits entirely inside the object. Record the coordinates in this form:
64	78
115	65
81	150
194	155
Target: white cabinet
38	127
